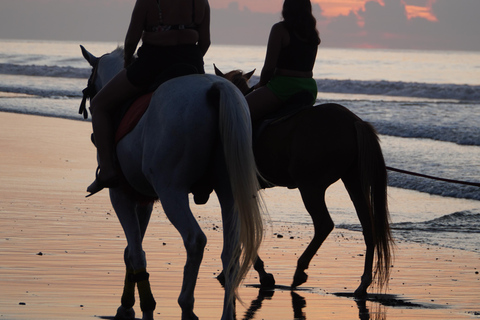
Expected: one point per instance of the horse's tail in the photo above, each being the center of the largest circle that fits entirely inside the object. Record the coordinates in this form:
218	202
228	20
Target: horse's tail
236	135
374	186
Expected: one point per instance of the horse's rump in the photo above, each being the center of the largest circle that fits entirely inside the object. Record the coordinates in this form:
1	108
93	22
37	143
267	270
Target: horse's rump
311	139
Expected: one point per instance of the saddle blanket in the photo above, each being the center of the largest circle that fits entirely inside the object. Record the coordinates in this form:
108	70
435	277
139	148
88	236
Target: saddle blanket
132	116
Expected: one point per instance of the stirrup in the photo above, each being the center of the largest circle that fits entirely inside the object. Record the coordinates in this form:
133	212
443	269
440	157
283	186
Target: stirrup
98	185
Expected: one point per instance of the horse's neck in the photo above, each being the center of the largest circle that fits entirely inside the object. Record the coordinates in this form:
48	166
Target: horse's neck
110	65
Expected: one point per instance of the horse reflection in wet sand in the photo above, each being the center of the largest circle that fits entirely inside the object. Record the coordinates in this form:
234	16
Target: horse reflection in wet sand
310	151
194	123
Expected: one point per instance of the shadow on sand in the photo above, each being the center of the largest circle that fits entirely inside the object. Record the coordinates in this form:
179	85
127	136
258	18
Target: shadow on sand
380	302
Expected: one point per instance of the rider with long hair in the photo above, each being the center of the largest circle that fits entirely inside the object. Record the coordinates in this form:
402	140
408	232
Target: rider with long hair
172	32
291	53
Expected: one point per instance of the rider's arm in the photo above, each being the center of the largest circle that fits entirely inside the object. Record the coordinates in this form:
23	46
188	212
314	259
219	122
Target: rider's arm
135	30
274	46
204	30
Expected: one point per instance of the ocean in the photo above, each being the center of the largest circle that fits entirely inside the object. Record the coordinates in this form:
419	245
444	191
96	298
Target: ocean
424	104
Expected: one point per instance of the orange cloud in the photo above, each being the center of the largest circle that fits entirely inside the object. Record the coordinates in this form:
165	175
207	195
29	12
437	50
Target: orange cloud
420	12
334	8
331	8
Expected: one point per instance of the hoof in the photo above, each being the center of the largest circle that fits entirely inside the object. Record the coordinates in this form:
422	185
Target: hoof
221	279
267	281
299	278
125	314
189	316
360	293
147	315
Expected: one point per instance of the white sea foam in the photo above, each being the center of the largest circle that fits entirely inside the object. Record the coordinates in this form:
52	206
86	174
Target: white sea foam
428	120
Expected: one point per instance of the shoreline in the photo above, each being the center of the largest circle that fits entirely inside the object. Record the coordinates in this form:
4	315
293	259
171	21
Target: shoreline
46	164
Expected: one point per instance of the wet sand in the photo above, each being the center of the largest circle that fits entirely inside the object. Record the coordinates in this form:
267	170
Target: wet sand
61	254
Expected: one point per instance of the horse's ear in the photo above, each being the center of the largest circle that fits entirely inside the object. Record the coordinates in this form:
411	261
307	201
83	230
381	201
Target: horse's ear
249	74
218	72
89	57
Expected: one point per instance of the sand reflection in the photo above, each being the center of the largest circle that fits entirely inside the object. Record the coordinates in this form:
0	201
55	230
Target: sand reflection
299	302
371	307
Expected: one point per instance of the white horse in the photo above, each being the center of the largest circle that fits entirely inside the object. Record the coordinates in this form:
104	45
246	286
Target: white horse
193	123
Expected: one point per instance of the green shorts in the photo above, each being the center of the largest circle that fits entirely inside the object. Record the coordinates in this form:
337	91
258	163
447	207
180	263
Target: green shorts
285	87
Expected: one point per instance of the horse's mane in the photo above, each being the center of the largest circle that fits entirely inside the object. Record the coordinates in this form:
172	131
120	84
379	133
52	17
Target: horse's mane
113	64
118	52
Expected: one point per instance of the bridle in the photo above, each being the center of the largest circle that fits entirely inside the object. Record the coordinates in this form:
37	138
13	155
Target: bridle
90	91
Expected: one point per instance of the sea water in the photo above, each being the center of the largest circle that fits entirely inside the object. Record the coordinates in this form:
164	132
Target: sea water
424	104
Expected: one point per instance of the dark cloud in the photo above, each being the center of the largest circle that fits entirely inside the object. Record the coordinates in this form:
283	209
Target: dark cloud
389	18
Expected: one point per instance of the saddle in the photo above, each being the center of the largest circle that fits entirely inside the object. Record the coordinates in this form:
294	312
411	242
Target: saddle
130	113
296	103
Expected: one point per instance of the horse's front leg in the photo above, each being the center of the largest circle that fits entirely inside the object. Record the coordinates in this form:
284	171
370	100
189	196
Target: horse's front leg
314	201
134	219
125	311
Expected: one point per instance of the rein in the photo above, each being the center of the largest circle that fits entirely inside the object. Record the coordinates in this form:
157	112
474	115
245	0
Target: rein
89	92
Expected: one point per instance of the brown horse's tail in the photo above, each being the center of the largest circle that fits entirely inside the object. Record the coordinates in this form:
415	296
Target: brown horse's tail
374	186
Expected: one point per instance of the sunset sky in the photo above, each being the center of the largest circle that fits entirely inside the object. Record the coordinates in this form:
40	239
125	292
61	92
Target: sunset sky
333	8
397	24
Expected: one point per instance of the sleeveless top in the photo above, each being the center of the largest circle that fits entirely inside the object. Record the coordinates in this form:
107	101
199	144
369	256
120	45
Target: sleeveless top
165	27
298	55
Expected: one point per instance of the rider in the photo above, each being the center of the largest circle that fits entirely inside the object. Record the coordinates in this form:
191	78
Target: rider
172	32
291	53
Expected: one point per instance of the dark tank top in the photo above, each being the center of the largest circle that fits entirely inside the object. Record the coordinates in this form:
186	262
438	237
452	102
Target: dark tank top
164	27
298	55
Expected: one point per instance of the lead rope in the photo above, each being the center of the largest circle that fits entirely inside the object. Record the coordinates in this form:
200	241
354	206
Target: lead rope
475	184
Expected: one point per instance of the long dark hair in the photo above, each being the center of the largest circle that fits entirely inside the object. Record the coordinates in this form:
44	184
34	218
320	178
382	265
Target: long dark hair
298	18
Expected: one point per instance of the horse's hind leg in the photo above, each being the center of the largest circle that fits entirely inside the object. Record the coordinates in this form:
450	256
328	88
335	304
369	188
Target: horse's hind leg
176	207
314	200
352	184
267	280
134	219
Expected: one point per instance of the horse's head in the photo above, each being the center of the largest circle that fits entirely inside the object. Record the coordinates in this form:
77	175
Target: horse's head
238	78
105	67
103	70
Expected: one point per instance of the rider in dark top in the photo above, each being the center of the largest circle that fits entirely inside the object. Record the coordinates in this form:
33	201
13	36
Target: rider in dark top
291	53
172	31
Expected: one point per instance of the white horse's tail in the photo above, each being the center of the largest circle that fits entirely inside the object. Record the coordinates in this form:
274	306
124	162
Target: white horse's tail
236	135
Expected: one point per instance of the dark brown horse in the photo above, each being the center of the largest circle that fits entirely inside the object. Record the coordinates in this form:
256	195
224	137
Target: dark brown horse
310	151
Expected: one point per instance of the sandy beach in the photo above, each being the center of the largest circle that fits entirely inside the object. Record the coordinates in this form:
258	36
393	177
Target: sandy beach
61	254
